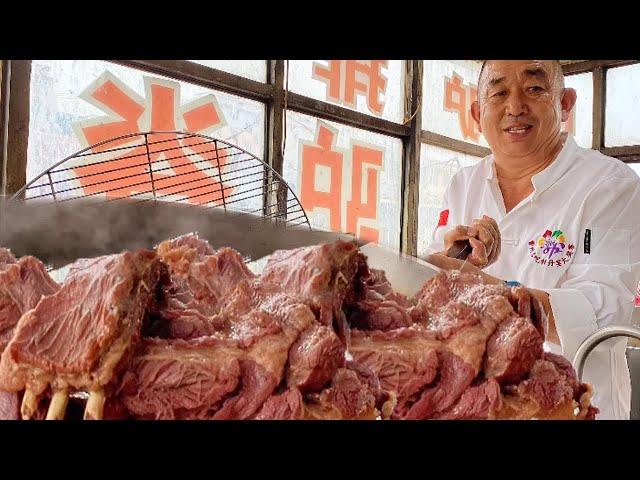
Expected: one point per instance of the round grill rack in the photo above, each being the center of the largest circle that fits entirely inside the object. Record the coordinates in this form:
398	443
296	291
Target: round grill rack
170	166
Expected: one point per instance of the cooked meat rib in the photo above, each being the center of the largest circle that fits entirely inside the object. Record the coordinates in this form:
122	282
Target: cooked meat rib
224	376
22	284
201	279
6	258
469	344
85	334
322	276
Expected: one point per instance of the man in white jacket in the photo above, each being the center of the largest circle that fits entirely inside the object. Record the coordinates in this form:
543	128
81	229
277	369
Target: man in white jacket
562	220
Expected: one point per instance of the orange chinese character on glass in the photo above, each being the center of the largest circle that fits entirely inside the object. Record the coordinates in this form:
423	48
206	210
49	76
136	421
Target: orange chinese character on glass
364	159
128	174
458	98
318	190
322	185
346	79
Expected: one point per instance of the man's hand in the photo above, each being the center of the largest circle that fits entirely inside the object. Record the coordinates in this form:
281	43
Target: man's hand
483	235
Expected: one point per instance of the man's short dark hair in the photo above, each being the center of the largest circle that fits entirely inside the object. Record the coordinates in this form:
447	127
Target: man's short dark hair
484	62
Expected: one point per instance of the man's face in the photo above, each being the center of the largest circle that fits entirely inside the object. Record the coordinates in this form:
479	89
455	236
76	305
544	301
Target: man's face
521	105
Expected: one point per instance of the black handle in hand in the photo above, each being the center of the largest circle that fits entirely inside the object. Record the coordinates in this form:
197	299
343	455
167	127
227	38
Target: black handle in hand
460	249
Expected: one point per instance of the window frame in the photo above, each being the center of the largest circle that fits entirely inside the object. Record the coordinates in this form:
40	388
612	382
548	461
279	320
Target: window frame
14	120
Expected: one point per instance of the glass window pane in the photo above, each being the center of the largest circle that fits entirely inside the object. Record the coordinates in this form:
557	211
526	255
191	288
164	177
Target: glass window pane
374	87
437	168
623	106
253	69
448	89
346	178
75	104
580	123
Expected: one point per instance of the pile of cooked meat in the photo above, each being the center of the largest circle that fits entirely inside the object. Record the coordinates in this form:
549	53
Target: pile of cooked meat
189	332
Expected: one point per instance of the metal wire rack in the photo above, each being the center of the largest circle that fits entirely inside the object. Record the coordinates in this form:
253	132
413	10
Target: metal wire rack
170	166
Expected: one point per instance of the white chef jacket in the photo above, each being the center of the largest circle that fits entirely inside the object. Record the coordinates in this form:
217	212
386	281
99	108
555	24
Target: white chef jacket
577	237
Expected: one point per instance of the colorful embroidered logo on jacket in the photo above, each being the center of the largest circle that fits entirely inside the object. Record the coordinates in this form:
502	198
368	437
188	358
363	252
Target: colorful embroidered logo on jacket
551	249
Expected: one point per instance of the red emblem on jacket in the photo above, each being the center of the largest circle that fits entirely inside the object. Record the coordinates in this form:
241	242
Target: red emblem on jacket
444	218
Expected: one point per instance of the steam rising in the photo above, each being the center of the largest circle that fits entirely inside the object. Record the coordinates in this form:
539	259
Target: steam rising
60	233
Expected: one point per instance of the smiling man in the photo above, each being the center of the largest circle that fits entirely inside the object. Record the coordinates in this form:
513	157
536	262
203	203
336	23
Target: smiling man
562	220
